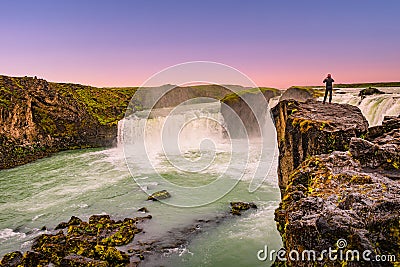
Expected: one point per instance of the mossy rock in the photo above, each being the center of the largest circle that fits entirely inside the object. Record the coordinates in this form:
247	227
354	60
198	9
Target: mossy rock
12	259
237	207
163	194
80	261
85	244
72	221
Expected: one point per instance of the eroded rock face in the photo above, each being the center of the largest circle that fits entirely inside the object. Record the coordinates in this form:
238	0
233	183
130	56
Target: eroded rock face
331	195
38	118
312	128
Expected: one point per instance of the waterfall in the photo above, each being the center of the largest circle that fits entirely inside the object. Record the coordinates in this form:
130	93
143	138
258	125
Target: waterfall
190	123
373	107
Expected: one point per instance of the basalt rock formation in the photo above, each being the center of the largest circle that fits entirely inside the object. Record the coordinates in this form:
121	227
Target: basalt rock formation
340	186
311	128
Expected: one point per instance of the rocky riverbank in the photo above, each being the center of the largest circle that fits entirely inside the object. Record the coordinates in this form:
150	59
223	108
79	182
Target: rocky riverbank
339	181
102	241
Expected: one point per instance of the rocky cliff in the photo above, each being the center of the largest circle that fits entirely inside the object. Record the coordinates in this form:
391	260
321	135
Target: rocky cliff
339	181
311	128
245	104
38	117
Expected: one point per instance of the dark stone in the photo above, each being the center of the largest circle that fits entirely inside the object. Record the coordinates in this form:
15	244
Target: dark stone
72	221
369	91
143	209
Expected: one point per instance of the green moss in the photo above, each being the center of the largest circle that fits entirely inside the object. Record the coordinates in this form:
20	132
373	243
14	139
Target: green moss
234	97
310	89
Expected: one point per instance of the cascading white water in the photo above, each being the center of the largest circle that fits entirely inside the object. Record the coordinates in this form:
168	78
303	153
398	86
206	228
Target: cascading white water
195	122
373	107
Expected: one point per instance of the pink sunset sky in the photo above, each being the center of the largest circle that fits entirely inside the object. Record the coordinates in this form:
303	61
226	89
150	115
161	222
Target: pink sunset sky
123	43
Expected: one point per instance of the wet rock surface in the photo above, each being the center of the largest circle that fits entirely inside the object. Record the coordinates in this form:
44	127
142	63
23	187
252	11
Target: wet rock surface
351	193
369	91
238	207
103	241
92	243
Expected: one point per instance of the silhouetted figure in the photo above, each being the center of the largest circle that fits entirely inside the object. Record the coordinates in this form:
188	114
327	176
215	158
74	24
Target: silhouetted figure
328	82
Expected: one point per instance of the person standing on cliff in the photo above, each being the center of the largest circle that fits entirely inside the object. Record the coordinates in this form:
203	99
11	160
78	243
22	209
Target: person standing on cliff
329	87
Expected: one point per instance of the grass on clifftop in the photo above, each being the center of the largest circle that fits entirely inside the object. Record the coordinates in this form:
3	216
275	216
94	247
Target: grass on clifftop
107	105
312	91
235	96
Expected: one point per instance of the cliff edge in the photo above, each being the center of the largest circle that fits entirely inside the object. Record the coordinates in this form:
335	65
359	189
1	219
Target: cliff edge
340	185
39	118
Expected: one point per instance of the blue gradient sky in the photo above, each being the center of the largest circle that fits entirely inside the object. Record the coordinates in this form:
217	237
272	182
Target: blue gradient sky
276	43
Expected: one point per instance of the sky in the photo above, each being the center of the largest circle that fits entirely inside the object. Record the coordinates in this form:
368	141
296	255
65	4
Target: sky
275	43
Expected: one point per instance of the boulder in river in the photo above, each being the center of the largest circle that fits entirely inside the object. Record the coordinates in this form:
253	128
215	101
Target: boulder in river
237	207
163	194
369	91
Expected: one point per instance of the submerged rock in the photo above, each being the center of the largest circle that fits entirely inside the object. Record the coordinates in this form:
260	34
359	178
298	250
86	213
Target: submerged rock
163	194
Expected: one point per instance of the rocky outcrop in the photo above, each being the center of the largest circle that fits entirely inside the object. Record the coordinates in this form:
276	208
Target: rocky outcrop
38	118
311	128
301	94
344	193
369	91
246	105
91	243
